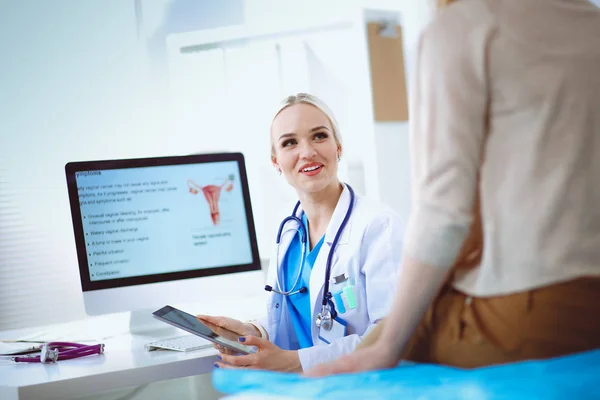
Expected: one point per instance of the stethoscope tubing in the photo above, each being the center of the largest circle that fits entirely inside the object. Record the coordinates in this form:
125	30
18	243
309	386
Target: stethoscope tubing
326	294
280	286
326	301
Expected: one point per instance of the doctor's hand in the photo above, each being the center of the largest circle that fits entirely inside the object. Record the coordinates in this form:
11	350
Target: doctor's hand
374	357
268	357
238	327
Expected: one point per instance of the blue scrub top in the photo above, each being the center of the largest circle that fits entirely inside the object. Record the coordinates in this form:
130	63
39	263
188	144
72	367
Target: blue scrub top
299	304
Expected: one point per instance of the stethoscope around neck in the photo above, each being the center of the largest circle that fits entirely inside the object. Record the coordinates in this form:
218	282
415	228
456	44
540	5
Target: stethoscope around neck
324	319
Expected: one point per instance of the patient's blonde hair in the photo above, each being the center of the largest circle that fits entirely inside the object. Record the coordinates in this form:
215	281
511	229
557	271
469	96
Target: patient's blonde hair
305	98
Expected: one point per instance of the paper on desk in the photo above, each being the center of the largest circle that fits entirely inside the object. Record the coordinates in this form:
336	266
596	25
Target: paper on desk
88	330
9	349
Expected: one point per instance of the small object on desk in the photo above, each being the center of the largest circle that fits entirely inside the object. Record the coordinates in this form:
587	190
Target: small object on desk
52	352
16	348
180	343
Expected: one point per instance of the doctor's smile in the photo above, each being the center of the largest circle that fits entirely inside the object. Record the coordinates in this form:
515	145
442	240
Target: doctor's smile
311	169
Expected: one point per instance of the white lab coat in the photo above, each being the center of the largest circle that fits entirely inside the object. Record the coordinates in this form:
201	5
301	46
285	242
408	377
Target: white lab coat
369	250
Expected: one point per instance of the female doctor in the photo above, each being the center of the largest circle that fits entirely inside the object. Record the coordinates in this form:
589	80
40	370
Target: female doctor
357	238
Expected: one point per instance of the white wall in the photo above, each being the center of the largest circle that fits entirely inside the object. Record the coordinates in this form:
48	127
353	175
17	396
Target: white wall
68	81
76	85
392	137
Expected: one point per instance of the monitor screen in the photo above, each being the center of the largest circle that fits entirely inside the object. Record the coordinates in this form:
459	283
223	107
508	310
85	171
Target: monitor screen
150	220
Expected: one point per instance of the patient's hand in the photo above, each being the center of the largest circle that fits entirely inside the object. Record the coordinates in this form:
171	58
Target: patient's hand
238	327
373	357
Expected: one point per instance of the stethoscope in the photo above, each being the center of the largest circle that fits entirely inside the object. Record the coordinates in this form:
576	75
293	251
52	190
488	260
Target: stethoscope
56	351
324	319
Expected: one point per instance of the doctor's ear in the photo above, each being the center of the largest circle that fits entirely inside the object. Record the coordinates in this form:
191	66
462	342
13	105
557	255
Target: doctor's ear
276	165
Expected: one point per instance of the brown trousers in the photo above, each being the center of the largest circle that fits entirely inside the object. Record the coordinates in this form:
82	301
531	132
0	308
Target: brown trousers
467	332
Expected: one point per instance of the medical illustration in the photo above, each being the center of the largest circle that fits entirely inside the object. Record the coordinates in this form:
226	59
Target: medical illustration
212	193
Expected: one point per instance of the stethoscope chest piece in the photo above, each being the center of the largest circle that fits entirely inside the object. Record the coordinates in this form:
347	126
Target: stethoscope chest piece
48	355
324	319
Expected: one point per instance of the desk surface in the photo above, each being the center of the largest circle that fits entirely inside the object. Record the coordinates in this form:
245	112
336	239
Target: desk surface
125	363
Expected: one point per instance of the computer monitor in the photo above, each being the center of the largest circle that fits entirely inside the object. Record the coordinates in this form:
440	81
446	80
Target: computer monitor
157	231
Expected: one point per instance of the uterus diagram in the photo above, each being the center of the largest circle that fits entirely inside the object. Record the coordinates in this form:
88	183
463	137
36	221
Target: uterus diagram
212	194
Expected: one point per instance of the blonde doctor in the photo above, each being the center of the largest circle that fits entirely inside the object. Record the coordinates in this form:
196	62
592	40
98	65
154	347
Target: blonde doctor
315	315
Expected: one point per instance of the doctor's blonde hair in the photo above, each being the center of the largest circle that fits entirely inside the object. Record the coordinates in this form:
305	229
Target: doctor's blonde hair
306	98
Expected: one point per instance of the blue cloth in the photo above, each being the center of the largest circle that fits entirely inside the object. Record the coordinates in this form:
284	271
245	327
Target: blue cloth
299	304
570	377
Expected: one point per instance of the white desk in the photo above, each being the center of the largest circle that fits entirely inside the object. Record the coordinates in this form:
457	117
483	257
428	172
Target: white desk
125	362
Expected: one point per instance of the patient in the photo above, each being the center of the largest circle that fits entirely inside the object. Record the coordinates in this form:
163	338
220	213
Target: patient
505	120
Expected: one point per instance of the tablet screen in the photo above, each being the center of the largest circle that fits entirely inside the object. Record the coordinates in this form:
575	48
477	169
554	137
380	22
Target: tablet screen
203	329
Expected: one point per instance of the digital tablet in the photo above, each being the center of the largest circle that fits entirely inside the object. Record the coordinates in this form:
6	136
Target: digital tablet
191	324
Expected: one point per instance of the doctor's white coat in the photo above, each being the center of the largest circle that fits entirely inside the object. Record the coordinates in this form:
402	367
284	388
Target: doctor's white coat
369	250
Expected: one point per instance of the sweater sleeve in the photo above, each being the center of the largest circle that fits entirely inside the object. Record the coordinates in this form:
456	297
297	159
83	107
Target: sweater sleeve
447	128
